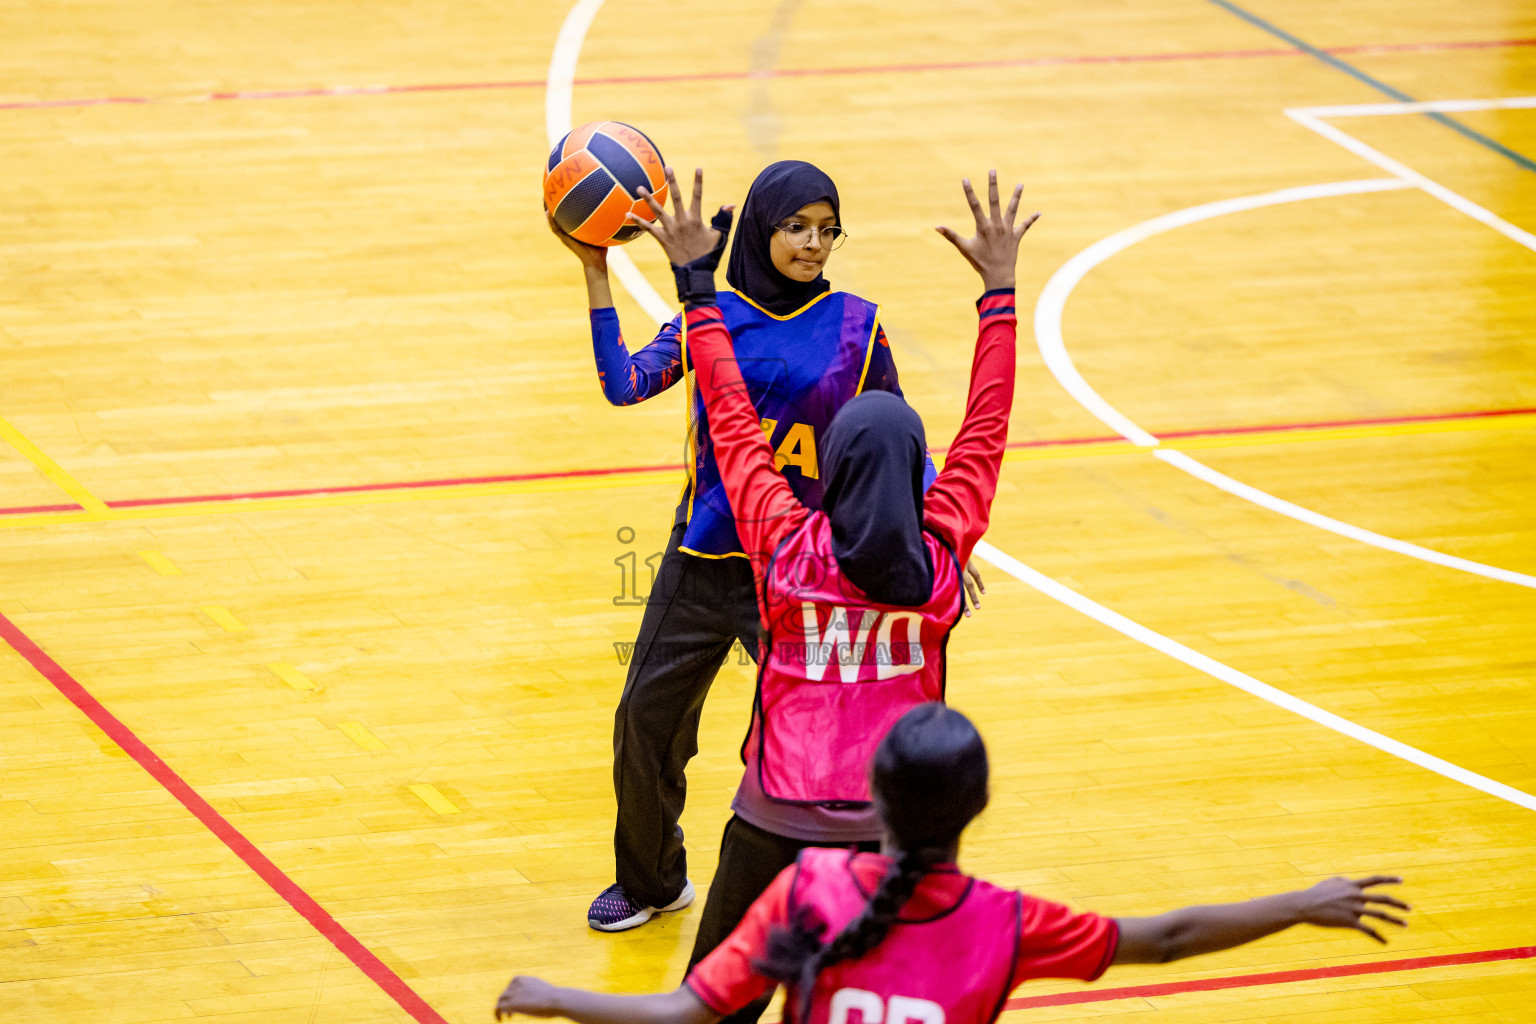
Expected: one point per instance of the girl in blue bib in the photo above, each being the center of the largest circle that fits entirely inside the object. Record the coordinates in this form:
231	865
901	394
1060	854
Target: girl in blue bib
804	351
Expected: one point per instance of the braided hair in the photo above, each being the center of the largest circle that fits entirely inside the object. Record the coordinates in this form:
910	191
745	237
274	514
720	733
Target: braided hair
929	779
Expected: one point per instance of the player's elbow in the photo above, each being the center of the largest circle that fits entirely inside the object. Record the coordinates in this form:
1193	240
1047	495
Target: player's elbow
1152	940
620	397
1165	948
1169	950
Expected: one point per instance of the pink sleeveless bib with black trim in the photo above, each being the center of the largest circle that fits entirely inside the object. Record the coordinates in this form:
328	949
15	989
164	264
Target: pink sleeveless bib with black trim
951	968
839	669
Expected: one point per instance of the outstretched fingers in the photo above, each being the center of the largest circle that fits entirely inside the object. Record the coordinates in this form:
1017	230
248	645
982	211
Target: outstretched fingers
1363	904
1013	207
650	200
970	197
677	196
698	193
1368	930
650	227
962	244
993	206
1386	901
1024	228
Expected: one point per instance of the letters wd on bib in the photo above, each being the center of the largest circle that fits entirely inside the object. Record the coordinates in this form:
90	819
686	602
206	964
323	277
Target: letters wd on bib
835	679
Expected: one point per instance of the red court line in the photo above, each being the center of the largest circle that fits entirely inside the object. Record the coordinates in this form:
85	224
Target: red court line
216	823
677	466
407	485
1470	44
22	510
570	474
1029	62
718	76
1418	963
98	101
413	1004
1380	421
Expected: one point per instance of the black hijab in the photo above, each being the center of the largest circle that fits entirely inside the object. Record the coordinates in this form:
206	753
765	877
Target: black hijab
872	459
779	191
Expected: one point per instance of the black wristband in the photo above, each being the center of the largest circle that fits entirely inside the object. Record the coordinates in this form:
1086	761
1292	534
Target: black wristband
695	285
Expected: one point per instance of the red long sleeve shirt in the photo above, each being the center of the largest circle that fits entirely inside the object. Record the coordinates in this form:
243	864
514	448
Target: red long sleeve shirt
956	507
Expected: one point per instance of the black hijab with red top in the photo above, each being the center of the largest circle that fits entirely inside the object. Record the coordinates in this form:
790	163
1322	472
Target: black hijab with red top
872	458
779	191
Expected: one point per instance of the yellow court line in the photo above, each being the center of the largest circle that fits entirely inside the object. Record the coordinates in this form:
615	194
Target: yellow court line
359	734
292	676
1064	451
158	562
433	798
225	618
232	506
52	470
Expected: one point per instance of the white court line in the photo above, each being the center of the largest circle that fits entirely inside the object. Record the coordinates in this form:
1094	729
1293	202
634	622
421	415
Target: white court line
1210	666
558	117
561	81
1430	107
1053	349
1308	118
1053	298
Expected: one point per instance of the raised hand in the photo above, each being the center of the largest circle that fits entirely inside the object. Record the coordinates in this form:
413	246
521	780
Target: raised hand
683	235
1343	902
995	248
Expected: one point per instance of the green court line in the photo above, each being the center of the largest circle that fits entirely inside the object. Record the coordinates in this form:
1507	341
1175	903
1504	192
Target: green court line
1520	159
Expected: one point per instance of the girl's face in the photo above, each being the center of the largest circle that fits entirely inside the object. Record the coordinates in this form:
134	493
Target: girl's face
805	262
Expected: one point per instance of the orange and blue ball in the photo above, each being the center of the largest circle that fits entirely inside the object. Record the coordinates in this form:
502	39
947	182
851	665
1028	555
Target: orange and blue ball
593	179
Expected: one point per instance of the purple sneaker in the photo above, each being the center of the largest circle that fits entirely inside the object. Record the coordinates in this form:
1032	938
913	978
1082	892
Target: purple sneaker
615	910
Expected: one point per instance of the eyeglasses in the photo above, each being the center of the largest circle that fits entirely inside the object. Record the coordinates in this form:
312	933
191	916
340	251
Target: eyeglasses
799	235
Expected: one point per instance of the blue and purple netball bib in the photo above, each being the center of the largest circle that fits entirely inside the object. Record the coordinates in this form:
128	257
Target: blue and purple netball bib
799	370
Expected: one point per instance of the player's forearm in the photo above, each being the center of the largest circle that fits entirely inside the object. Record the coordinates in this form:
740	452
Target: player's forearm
625	378
961	496
615	368
984	431
679	1006
1195	930
599	292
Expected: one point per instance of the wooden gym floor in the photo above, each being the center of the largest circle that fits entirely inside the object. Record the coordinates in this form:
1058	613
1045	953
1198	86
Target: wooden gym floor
313	519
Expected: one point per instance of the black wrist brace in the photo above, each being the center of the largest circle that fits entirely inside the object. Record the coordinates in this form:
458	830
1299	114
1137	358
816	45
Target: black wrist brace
696	280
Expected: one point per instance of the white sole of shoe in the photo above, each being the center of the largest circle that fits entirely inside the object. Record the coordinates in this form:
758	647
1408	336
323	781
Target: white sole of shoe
684	899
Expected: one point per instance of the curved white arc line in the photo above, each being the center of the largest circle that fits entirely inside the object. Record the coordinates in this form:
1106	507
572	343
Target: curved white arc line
639	288
1070	597
560	80
1053	348
560	83
1210	666
1179	460
1053	298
